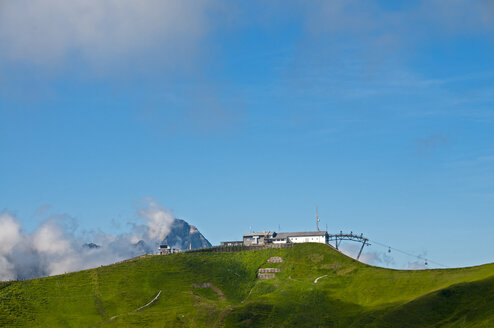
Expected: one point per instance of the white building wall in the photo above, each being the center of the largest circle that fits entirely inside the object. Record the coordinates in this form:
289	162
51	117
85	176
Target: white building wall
308	239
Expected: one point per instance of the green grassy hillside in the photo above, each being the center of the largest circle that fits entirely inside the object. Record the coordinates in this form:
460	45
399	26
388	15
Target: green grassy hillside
222	289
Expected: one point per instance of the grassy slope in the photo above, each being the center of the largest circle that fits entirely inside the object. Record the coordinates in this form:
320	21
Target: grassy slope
352	295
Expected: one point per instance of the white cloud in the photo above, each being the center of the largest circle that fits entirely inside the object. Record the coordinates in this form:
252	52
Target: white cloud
46	32
101	31
50	239
158	220
10	236
54	248
9	233
7	269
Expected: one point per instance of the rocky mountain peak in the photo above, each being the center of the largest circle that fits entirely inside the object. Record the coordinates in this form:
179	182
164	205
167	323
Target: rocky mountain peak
184	236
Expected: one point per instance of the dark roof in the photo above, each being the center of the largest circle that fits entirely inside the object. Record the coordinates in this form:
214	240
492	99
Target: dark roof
300	234
261	233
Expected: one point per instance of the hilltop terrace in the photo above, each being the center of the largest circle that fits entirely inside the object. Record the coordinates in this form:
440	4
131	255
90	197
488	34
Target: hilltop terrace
271	237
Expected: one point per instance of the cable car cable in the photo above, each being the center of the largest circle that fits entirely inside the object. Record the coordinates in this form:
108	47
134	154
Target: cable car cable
407	253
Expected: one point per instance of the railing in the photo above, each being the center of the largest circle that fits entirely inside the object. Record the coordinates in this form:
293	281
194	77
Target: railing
237	248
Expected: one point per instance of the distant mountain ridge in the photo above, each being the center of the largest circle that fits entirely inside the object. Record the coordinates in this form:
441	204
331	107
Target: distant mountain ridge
182	235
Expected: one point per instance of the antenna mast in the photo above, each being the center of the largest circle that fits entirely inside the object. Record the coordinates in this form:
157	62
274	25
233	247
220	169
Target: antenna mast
317	218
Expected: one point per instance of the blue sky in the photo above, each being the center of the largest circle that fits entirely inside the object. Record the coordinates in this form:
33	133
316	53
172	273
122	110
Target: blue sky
239	114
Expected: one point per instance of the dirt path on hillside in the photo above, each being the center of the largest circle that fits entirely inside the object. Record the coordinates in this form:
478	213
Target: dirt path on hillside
148	304
219	292
317	279
139	309
213	287
250	292
222	316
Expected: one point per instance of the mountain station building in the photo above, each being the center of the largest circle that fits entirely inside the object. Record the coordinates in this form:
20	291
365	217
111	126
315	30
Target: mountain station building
166	249
272	237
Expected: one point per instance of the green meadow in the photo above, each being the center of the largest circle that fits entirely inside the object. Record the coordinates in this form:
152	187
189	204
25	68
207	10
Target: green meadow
222	290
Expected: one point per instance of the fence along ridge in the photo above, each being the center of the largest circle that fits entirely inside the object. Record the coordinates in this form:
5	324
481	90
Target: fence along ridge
237	248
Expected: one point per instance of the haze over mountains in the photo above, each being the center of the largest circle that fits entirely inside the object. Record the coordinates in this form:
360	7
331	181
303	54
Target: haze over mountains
182	236
55	247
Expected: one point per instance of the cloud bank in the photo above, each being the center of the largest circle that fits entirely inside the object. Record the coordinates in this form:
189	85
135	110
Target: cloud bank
101	31
158	220
46	32
54	248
